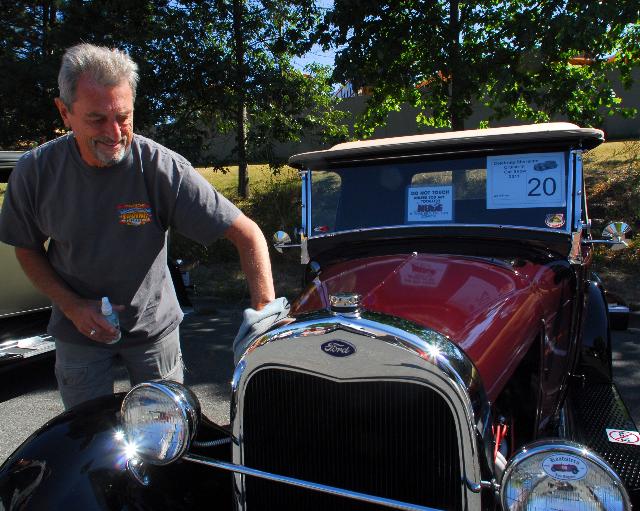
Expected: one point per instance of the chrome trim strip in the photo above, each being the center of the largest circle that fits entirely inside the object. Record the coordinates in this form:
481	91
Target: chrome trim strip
403	351
305	176
331	490
571	176
577	197
439	226
26	311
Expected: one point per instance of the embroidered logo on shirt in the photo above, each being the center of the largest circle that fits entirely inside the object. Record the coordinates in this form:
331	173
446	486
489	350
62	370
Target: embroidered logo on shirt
137	213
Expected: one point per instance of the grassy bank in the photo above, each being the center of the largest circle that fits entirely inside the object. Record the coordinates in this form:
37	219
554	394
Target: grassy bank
612	173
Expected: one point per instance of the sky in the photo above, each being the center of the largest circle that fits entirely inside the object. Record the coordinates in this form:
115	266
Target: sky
315	55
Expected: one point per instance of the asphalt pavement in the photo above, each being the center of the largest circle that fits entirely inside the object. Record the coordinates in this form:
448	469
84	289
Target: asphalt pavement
29	398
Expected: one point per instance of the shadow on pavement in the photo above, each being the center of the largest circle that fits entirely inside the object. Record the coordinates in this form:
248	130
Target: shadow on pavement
36	375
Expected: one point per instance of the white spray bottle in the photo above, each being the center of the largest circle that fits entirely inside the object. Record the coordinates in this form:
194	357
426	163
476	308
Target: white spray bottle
111	316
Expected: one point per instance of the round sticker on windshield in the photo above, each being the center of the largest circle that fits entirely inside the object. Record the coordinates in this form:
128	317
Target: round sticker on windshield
565	467
555	220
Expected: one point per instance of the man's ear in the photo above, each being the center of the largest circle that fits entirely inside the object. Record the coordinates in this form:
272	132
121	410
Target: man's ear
64	112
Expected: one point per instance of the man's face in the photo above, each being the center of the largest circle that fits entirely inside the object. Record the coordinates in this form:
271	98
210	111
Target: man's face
102	121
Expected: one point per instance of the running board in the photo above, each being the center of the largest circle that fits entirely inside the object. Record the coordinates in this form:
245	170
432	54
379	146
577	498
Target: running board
21	349
597	417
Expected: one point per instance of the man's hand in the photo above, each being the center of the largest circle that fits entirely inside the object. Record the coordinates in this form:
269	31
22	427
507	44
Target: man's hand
87	318
257	322
85	314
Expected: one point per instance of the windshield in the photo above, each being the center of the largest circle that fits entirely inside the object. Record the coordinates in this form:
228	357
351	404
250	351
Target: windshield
519	190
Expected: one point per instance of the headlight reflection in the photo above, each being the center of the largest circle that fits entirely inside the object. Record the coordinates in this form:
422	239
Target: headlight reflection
564	476
159	421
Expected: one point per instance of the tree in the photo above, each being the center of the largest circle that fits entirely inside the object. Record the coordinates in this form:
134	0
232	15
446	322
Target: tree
34	38
517	57
207	67
27	72
238	75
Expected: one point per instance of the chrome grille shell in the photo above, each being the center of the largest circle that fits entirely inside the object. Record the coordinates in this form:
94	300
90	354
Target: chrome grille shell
386	349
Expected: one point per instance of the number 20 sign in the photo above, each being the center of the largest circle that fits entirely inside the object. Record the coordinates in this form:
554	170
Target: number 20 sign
535	180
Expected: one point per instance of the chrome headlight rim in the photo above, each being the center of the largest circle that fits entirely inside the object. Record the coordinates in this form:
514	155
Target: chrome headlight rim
185	401
557	446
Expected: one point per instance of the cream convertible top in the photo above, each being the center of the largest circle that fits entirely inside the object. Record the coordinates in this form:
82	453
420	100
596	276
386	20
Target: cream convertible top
554	132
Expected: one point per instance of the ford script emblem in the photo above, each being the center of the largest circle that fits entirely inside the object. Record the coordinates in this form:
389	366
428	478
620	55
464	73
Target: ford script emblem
337	348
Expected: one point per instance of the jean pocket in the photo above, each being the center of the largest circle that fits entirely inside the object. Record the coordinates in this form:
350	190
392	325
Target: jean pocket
72	376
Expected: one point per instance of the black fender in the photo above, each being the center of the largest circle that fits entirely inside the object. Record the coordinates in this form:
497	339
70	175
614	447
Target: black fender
75	462
595	346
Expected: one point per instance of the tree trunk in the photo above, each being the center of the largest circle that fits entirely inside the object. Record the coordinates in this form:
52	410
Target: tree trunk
456	102
49	13
241	113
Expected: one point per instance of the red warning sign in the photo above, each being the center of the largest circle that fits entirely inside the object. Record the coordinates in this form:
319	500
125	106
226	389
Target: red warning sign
620	436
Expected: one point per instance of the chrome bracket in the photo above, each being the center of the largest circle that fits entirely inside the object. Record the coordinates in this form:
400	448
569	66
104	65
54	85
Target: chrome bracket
138	471
482	485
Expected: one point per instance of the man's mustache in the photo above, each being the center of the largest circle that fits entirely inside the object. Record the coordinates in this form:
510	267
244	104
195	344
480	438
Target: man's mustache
105	140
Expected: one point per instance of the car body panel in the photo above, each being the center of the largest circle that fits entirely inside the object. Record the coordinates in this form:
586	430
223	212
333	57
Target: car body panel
17	294
481	305
93	474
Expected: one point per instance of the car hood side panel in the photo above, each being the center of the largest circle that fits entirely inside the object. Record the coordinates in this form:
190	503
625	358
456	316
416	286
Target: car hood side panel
77	461
492	309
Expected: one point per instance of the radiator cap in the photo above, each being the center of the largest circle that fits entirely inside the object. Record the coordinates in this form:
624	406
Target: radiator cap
344	302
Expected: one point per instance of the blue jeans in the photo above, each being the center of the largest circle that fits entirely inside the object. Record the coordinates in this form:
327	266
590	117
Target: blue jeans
85	372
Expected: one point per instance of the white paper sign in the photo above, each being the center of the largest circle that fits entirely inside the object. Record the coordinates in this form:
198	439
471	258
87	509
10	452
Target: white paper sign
620	436
429	204
534	180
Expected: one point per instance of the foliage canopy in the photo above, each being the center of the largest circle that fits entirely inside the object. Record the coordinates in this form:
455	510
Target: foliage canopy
189	89
522	58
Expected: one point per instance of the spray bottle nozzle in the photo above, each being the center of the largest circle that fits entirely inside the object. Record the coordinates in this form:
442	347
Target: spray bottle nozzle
106	308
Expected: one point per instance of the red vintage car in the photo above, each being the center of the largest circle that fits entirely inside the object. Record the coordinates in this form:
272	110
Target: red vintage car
450	348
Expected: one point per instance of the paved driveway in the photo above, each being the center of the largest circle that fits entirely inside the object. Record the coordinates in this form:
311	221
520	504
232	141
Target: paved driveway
29	398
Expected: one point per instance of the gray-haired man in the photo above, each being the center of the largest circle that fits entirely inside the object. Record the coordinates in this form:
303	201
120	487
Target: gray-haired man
105	198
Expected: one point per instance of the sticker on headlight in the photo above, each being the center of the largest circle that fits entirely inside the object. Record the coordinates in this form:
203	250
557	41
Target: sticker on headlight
338	348
620	436
565	467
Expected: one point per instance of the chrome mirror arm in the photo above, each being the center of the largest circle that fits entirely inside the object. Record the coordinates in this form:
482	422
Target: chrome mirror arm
614	235
282	240
614	244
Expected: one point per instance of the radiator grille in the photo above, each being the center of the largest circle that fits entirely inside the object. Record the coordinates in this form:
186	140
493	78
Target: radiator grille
387	438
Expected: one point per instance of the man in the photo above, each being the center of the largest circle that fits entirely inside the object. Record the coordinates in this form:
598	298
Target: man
104	197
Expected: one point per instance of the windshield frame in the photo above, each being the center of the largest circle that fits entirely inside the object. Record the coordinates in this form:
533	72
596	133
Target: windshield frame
572	208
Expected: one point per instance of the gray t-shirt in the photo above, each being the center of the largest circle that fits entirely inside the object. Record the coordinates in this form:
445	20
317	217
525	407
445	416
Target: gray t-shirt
108	227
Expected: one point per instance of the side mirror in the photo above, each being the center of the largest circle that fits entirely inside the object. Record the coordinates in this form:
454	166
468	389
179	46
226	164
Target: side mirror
282	240
617	233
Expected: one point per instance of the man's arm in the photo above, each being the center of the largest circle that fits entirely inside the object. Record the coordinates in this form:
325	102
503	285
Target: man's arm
254	259
85	314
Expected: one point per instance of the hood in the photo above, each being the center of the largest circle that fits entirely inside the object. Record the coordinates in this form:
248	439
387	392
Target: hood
492	309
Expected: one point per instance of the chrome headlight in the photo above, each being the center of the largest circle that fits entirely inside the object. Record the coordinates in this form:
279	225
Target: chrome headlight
160	419
561	475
